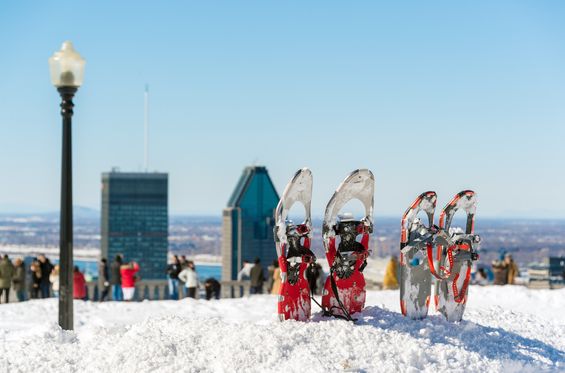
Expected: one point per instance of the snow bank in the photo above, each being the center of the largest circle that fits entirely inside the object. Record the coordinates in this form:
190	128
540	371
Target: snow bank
506	329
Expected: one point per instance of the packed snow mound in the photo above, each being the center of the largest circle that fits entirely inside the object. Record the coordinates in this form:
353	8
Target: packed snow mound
505	329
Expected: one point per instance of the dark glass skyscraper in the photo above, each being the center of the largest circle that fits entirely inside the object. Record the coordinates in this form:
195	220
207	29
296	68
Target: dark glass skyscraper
135	220
248	222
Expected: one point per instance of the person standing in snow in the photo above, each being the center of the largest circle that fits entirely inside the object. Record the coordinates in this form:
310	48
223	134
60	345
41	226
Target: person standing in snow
190	279
45	267
500	272
79	284
257	277
183	265
183	262
390	281
54	280
103	279
19	279
129	278
116	279
173	271
312	274
35	280
321	279
245	272
276	278
511	268
7	272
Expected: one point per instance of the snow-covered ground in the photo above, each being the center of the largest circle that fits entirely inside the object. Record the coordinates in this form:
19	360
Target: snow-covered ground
505	329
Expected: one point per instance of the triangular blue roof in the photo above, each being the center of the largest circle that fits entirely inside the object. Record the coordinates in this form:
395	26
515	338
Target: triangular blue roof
245	180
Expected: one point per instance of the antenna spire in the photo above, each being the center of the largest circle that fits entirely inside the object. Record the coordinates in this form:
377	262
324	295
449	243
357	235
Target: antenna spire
146	126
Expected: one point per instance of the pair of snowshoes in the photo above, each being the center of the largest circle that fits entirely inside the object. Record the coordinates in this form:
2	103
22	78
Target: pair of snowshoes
346	242
438	257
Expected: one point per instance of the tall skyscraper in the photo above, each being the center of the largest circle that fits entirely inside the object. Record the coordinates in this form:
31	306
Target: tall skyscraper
135	220
248	222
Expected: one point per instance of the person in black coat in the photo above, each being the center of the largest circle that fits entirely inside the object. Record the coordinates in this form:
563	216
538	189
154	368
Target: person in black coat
312	274
35	279
173	271
116	279
103	280
45	267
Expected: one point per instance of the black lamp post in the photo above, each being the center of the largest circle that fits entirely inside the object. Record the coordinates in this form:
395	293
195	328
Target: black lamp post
67	70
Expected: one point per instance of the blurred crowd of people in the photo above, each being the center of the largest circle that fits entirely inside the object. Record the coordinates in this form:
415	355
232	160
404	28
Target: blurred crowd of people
41	279
181	272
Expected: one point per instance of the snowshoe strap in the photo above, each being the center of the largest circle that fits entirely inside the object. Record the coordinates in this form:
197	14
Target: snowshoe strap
346	314
461	296
328	313
446	271
362	266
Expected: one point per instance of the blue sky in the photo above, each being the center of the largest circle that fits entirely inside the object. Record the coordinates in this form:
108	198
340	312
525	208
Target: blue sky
428	95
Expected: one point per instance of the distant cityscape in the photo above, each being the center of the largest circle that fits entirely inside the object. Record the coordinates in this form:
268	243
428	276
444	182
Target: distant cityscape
529	241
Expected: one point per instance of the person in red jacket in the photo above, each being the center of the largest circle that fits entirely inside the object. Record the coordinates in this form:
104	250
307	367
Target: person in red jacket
79	288
129	278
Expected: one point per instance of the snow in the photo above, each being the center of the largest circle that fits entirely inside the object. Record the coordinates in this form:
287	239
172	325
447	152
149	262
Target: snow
510	329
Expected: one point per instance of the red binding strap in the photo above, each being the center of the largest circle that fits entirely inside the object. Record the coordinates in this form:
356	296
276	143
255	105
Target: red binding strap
447	271
461	297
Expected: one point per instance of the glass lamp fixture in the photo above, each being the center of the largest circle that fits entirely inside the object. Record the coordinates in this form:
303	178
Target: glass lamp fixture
66	67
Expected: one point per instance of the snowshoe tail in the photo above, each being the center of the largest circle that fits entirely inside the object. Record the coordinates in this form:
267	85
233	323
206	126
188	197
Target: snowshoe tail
344	291
293	249
456	249
415	238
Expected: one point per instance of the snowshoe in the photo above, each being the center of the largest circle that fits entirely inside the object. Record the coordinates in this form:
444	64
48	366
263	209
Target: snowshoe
456	249
415	238
293	249
344	290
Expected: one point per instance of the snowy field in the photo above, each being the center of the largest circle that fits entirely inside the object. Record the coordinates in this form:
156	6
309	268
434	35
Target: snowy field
507	329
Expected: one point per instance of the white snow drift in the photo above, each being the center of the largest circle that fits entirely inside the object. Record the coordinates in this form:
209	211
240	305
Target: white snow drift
505	329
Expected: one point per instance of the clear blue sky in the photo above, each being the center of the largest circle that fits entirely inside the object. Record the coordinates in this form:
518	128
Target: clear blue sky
428	95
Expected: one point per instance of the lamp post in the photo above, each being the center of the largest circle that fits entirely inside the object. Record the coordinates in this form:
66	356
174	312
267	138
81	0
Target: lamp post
67	69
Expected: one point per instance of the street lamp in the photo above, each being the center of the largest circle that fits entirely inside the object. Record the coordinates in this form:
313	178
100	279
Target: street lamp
67	69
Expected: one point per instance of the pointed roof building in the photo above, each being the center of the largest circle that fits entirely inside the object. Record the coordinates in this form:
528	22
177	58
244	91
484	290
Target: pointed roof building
248	221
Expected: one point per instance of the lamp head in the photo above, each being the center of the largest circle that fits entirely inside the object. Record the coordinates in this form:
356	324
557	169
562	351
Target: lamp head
66	67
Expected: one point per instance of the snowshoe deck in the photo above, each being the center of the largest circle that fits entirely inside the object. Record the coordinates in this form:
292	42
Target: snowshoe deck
293	249
415	238
344	290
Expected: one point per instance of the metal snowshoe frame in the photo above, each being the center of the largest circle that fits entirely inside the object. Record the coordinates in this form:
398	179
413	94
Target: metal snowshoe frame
416	238
454	250
447	252
360	185
293	241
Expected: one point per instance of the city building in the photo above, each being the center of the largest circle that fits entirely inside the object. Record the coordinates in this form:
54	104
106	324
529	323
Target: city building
248	222
135	220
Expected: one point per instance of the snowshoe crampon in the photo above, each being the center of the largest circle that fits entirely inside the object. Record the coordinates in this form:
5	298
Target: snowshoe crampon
346	242
293	249
456	249
415	238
